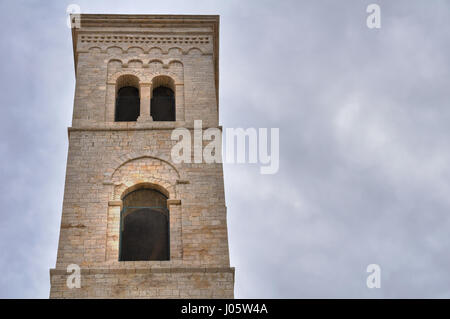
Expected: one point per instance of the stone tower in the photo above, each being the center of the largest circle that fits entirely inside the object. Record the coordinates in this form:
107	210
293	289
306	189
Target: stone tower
137	224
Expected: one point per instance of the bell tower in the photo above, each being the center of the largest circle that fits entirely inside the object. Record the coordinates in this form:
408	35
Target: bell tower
136	223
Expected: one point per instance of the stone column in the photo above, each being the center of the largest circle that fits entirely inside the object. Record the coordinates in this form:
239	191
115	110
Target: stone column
145	95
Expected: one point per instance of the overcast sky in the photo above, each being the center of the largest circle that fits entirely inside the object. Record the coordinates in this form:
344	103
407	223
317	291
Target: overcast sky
364	120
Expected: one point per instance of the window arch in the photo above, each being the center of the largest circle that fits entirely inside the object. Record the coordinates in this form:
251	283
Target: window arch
127	99
144	226
163	99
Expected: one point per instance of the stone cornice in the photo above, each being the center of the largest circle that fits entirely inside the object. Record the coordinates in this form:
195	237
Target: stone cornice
136	126
130	267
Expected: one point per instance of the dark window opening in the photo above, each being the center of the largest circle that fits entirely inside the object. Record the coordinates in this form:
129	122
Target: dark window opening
144	226
127	104
163	104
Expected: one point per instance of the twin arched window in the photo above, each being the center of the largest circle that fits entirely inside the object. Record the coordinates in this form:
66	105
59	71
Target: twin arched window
162	103
144	226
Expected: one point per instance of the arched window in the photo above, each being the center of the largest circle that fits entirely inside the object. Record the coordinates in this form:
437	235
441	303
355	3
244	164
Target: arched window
127	99
163	99
144	226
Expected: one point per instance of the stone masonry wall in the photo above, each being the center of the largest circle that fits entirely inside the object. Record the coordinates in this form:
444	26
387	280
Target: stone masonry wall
148	283
106	160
